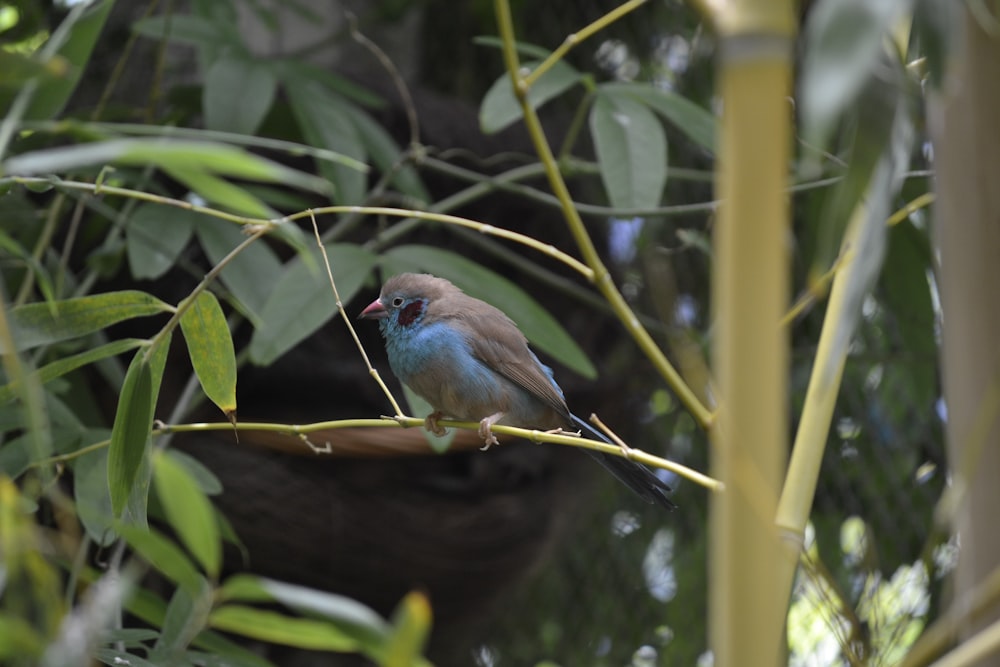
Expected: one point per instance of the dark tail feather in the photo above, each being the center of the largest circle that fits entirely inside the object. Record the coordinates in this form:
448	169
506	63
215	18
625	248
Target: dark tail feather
634	475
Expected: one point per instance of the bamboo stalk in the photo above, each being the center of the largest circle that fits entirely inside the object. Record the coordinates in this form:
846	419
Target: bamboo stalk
750	295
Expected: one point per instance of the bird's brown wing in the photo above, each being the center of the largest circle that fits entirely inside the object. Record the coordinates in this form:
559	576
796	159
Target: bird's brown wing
496	341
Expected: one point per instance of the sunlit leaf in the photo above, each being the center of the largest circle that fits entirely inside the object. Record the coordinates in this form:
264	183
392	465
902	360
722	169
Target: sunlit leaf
411	625
188	512
278	628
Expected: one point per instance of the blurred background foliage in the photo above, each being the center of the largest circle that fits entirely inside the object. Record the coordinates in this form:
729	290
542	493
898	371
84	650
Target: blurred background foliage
524	555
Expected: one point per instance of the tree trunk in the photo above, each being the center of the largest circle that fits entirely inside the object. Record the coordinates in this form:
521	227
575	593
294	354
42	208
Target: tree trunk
963	119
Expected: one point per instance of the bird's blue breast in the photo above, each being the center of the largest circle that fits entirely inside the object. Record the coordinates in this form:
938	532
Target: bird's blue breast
435	361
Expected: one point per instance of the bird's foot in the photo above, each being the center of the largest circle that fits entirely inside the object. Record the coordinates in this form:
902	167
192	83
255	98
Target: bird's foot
486	431
431	423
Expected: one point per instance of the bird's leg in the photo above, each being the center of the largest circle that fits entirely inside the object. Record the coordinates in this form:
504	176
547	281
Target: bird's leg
431	423
486	430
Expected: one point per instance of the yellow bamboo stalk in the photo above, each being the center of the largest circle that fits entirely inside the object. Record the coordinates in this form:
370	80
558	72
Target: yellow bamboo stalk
817	413
750	295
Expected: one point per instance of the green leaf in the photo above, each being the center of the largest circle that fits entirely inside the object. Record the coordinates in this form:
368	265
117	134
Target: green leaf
277	628
180	28
907	294
221	192
411	626
698	124
500	108
543	330
65	365
20	643
210	347
205	478
355	619
631	149
325	122
386	154
93	501
37	324
51	95
168	559
188	512
301	301
250	275
184	159
238	94
843	43
186	617
16	456
16	69
154	238
110	656
130	433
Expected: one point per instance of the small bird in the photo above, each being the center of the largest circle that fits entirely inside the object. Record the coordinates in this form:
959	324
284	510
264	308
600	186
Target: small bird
471	363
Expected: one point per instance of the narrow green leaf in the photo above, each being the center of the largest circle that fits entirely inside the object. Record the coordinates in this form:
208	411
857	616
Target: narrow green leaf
632	151
168	559
188	512
205	478
386	154
20	643
698	124
52	94
187	616
221	192
324	122
152	610
65	365
154	238
302	301
180	28
110	656
93	500
543	330
277	628
238	93
210	347
500	108
130	433
16	456
192	158
39	324
411	626
250	275
843	43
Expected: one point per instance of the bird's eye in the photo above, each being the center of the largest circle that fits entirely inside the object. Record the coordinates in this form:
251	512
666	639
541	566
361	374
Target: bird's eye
397	302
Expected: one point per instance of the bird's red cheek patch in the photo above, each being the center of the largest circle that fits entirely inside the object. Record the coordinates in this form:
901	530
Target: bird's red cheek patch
410	313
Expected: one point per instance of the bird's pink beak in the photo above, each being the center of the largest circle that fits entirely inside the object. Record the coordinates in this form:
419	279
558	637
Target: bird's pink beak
374	311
